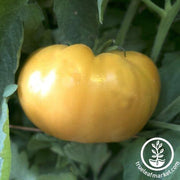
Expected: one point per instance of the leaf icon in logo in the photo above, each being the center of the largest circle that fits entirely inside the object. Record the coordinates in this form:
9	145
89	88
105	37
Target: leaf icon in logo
161	151
157	155
153	151
160	145
160	156
157	143
153	145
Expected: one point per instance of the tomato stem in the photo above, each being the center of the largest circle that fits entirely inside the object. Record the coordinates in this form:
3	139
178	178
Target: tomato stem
167	4
164	26
127	22
25	128
154	7
124	51
163	125
103	47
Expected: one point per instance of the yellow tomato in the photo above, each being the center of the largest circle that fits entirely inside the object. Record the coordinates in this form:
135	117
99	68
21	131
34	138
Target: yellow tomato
73	95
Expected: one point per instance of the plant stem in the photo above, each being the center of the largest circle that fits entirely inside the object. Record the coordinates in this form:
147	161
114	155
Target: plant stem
103	47
167	4
163	29
154	7
164	125
127	22
25	128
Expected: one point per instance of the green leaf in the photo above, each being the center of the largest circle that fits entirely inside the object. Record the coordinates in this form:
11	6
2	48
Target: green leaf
34	30
77	21
5	154
9	90
11	36
130	155
112	18
32	17
113	168
40	141
61	176
174	139
9	7
94	155
163	125
45	3
176	174
170	111
20	169
58	148
169	74
64	162
101	8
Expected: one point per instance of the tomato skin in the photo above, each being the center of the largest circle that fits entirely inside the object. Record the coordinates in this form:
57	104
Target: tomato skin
73	95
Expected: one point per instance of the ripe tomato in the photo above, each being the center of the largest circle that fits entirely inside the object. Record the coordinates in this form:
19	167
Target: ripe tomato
73	95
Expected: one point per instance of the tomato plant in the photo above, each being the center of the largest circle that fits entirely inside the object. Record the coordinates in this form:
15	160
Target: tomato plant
87	71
